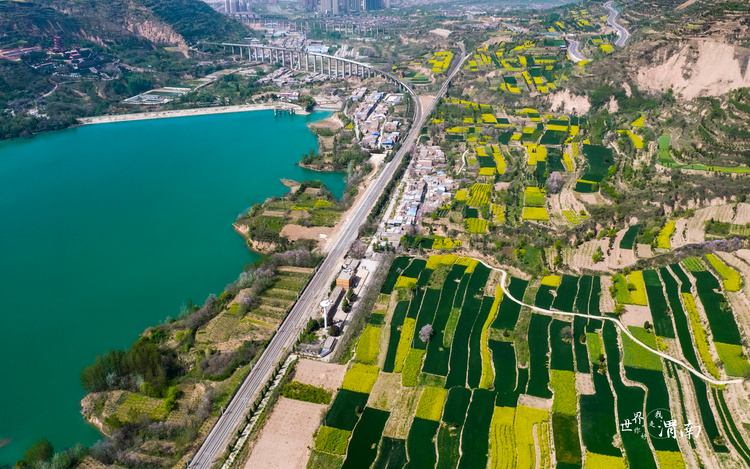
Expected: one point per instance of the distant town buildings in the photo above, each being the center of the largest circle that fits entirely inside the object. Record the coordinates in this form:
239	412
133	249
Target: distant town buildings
426	189
236	6
359	93
372	114
341	7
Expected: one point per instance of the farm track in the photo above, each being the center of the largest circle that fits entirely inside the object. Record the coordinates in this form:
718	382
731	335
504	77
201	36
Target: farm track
618	324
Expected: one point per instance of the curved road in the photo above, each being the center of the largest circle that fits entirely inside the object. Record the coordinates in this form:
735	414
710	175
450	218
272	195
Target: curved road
285	337
617	322
622	34
573	52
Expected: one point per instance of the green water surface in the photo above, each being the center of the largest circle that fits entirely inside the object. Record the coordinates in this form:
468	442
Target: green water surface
108	229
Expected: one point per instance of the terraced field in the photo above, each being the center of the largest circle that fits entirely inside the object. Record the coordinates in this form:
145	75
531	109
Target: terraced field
500	386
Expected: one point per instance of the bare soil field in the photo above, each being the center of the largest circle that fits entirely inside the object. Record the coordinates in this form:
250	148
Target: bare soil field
385	391
402	413
743	214
624	257
302	270
535	402
636	315
295	232
582	259
569	102
555	212
644	251
285	441
273	213
331	123
593	199
320	374
496	40
585	383
696	229
426	100
606	302
679	237
743	254
444	33
568	200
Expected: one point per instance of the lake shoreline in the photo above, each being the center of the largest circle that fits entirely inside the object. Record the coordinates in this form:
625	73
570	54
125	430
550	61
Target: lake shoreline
189	112
236	176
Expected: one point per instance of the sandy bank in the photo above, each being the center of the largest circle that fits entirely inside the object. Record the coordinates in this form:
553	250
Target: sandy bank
190	112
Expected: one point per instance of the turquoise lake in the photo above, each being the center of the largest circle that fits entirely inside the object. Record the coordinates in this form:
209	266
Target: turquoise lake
108	229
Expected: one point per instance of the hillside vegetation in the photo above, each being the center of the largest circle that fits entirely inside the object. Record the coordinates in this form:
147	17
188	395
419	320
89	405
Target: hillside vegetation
115	22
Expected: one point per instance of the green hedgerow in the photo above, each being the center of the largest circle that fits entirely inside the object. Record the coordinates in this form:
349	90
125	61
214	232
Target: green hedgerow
307	393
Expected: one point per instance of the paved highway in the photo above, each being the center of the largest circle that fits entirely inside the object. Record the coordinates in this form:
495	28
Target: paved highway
622	34
217	440
573	51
